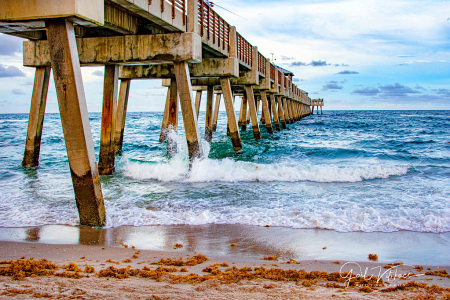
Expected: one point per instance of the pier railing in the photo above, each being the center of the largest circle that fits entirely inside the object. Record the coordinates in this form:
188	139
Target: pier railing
244	51
214	30
272	72
262	62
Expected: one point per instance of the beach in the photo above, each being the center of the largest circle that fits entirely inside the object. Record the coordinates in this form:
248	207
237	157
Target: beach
308	250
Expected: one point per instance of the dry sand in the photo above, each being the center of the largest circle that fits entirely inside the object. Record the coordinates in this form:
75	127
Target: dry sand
93	287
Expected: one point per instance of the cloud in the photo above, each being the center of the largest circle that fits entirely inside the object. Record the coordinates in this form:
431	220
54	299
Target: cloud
396	90
388	91
298	80
313	63
11	71
97	73
318	63
331	85
367	91
443	92
298	64
345	65
10	45
346	72
418	87
18	92
405	56
287	58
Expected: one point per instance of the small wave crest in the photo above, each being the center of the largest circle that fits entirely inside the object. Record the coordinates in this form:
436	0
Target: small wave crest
230	170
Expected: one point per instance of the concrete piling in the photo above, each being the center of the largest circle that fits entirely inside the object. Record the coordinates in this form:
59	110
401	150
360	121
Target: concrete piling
121	113
243	113
232	124
274	112
36	118
172	120
216	112
75	122
165	120
189	116
281	112
265	108
253	112
198	100
107	146
209	112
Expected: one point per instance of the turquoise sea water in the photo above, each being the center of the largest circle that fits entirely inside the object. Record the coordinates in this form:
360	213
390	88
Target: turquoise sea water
343	170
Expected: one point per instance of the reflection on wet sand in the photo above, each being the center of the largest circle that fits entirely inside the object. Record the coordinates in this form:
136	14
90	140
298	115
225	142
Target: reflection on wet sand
252	242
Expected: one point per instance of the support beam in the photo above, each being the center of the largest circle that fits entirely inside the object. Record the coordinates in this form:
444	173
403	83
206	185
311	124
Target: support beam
36	118
291	115
208	118
121	113
165	120
281	112
286	111
75	122
228	124
228	99
216	112
187	109
198	100
274	112
243	114
129	49
263	118
172	120
265	108
108	131
253	113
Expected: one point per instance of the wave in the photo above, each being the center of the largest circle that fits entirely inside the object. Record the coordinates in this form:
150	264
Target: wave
229	170
365	219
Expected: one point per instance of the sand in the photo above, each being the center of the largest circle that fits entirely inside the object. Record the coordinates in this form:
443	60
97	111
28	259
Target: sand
313	250
93	287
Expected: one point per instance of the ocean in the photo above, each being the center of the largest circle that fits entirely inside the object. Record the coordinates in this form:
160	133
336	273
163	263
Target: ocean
347	171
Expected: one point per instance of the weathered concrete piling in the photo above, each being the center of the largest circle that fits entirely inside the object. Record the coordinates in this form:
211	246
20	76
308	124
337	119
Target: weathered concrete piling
36	118
184	42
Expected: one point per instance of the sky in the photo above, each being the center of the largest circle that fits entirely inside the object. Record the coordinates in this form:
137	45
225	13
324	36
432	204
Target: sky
355	54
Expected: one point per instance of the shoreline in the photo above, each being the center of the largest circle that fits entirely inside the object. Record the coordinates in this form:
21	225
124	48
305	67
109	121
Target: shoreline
253	242
171	285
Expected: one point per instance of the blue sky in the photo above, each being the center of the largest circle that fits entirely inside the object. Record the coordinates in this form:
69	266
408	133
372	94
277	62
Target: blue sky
356	54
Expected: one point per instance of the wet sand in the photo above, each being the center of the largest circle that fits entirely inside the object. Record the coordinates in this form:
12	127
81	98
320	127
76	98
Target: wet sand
253	241
83	245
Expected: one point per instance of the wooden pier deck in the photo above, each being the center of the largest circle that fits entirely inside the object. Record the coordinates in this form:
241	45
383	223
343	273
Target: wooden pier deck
184	42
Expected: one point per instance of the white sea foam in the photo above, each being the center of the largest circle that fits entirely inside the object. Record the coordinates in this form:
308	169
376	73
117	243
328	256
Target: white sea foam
229	170
345	219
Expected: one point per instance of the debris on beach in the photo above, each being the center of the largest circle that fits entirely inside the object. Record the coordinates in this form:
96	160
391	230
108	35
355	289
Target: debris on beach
192	261
177	246
373	257
71	267
389	266
274	258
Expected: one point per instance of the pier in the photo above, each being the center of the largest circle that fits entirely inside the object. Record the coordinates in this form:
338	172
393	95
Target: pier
317	103
184	42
